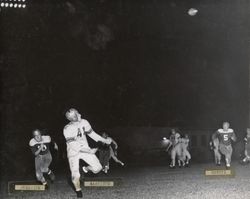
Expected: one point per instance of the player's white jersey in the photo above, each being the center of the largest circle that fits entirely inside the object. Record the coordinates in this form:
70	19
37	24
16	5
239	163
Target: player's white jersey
75	135
184	142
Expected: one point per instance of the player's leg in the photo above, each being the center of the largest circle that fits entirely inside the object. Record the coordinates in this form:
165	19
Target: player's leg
217	156
187	156
117	160
247	156
113	156
173	157
47	159
223	151
75	174
106	161
102	157
228	155
179	155
93	162
39	172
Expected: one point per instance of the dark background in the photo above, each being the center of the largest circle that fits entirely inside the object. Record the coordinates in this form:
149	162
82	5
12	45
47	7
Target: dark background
121	63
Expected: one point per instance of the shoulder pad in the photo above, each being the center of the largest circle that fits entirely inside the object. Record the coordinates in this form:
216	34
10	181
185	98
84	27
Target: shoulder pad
32	142
67	126
84	122
220	130
46	138
230	130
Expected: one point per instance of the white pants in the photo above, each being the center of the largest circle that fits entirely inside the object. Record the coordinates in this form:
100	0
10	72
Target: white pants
91	159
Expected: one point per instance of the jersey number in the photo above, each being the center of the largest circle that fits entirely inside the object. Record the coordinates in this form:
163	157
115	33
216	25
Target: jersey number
79	133
225	137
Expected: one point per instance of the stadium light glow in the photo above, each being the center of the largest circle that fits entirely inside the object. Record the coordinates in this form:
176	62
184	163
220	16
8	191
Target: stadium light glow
13	3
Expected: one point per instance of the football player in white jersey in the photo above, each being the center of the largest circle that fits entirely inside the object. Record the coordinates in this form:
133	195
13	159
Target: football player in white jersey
175	151
185	149
77	147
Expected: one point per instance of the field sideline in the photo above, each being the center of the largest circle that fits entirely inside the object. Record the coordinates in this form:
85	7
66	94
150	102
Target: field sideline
156	182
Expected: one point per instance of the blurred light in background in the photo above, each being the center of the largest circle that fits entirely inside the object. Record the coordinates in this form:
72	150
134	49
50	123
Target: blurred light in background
12	4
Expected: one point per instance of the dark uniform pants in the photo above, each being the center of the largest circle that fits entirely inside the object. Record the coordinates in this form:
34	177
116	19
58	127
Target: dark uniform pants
42	163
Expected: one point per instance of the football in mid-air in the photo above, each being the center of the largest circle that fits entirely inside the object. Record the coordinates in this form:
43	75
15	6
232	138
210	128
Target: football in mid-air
192	11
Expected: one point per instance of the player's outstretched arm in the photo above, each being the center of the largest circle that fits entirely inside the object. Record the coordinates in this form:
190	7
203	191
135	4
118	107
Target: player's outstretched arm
99	138
115	143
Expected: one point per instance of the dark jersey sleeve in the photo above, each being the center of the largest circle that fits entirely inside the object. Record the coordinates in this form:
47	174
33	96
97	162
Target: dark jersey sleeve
33	149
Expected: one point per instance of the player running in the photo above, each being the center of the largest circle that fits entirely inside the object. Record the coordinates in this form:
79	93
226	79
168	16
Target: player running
247	147
214	145
174	147
225	137
185	149
77	147
106	152
40	148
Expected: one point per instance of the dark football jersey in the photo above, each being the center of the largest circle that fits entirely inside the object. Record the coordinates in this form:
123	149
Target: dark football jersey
104	147
35	145
225	137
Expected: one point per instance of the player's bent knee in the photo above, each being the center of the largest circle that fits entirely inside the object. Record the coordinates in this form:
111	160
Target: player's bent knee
97	168
75	175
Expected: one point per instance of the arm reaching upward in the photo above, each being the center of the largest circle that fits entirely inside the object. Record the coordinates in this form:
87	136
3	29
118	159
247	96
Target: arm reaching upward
97	138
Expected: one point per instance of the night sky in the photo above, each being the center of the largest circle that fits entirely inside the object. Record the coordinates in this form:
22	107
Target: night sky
125	63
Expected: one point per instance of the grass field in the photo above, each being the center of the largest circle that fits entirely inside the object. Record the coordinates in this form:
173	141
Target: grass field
153	183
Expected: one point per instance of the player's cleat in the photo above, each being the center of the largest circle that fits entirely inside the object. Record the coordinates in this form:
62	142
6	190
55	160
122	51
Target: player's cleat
228	166
122	164
79	194
105	169
85	170
171	166
46	186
